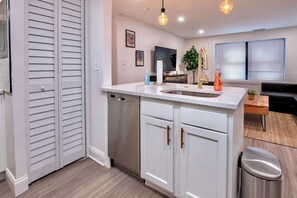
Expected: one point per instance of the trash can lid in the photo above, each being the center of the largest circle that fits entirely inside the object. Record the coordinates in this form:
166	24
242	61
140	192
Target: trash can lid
261	163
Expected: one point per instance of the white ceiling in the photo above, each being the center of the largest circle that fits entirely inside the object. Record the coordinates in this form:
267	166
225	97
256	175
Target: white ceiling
247	15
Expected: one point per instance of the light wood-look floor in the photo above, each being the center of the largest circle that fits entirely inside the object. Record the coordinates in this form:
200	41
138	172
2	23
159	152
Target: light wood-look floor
288	158
84	179
88	179
281	128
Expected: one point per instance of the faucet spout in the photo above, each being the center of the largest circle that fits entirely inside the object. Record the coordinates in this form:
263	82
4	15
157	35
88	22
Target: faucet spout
202	57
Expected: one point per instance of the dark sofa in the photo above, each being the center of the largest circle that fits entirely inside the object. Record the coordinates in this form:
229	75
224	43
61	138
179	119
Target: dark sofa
282	97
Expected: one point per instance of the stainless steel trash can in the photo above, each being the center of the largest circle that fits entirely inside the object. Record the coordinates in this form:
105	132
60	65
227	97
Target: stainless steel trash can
261	175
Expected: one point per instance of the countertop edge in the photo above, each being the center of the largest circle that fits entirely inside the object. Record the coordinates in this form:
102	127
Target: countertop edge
172	98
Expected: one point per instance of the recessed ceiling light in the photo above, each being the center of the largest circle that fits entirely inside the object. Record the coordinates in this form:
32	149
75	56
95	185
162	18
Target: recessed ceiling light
145	9
201	31
181	19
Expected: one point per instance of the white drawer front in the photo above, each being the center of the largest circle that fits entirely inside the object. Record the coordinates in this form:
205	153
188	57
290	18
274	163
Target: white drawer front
204	119
157	109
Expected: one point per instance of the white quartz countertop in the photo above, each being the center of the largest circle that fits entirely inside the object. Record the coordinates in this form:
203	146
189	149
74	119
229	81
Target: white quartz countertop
230	97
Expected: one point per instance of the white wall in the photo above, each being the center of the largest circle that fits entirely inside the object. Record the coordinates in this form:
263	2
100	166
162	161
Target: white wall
147	37
290	34
15	110
98	51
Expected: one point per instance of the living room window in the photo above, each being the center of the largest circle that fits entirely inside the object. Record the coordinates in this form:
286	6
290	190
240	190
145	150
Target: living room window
254	60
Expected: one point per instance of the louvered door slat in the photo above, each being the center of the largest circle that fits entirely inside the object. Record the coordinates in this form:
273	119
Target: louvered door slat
75	2
40	46
40	11
42	53
42	150
38	32
42	136
39	39
41	18
40	109
43	129
42	4
41	67
71	12
72	144
71	18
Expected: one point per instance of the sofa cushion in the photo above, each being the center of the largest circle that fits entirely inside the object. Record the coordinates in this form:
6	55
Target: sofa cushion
282	97
279	87
280	94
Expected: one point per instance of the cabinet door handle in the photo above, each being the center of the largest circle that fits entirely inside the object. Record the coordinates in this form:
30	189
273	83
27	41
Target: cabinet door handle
168	135
182	131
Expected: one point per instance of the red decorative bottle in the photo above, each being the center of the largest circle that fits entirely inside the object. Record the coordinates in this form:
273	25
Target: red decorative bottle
218	84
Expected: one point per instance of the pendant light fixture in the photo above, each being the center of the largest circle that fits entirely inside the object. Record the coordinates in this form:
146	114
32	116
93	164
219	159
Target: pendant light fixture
163	19
226	6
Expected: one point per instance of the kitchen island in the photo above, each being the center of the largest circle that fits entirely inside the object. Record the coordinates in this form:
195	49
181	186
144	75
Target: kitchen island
190	139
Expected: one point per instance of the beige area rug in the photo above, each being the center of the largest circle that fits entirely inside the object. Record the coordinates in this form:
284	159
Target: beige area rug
280	129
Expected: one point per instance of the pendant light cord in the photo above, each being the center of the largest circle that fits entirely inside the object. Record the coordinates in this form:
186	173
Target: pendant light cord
162	9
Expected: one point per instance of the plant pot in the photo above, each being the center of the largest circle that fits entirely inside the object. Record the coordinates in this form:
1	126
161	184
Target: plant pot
251	97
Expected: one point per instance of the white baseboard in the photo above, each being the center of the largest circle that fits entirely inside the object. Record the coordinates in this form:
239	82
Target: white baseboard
18	186
97	156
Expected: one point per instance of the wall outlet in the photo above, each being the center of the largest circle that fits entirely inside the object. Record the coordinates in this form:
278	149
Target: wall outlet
96	64
124	62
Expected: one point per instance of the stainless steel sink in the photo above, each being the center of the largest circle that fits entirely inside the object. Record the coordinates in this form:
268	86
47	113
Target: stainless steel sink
192	93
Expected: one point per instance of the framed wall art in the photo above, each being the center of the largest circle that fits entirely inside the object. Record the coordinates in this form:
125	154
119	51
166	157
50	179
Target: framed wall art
130	38
139	58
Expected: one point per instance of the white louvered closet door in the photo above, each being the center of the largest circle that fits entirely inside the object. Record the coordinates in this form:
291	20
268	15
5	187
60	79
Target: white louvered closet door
56	88
43	86
71	80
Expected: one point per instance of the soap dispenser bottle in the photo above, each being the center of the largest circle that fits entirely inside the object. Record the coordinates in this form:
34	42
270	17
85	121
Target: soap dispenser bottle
147	78
218	84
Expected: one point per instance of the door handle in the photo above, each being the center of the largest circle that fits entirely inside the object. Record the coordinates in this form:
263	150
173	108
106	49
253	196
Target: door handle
182	131
168	135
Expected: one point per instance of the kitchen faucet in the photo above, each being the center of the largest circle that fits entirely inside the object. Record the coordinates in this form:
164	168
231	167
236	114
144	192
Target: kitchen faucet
201	79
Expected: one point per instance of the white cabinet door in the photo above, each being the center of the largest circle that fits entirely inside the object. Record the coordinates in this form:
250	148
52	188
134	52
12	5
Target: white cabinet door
157	152
203	163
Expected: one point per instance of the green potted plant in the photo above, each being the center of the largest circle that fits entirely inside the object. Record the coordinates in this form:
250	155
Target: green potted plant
251	94
190	59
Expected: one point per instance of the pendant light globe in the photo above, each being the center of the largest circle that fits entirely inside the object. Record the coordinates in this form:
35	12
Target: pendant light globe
226	6
163	19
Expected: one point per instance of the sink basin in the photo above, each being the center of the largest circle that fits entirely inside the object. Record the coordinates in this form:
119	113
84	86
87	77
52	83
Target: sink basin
192	93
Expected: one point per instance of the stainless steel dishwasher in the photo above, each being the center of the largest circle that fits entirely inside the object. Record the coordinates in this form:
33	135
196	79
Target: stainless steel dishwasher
123	132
